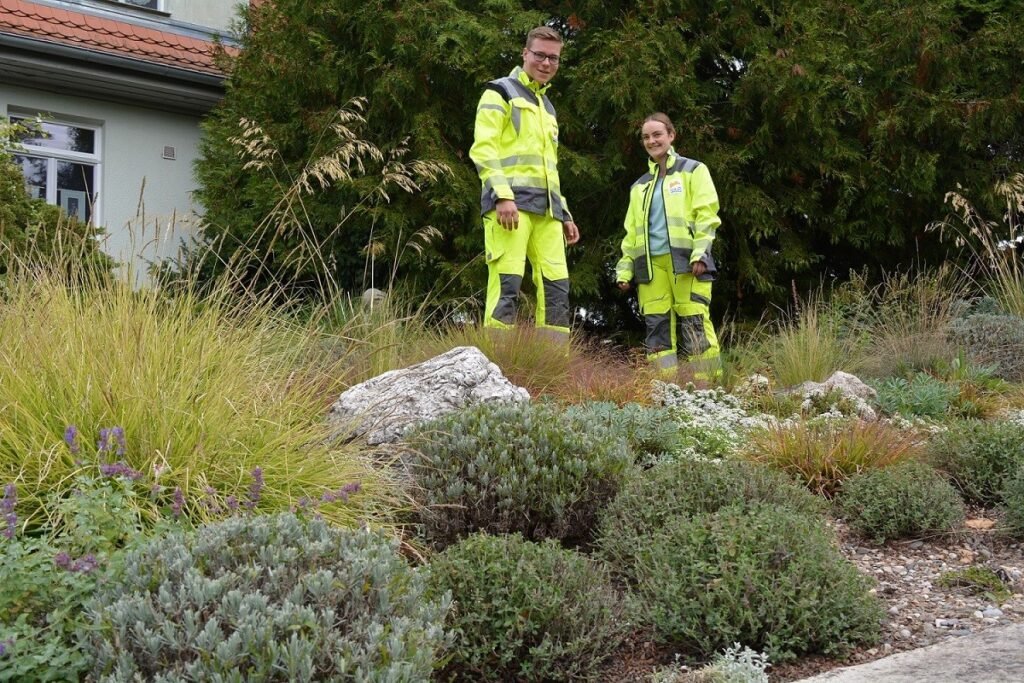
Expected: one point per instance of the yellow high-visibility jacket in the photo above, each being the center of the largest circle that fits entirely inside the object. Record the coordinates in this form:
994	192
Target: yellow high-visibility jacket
515	147
691	210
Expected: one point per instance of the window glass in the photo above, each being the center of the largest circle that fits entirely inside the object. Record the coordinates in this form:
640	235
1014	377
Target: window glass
60	136
75	189
151	4
34	170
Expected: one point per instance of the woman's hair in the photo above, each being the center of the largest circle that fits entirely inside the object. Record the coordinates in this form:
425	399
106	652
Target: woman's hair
661	118
542	33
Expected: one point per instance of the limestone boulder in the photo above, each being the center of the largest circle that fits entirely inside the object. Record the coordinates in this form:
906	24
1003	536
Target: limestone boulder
384	408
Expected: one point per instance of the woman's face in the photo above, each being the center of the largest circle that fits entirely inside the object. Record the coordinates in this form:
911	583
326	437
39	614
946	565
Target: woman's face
656	139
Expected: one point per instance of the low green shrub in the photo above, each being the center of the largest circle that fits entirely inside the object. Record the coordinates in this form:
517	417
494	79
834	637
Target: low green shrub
767	577
923	396
652	498
992	339
736	665
1013	502
979	456
269	598
822	453
45	578
977	581
712	423
515	467
908	499
650	432
42	590
527	611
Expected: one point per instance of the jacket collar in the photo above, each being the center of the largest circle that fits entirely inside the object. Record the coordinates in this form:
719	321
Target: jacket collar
520	75
670	161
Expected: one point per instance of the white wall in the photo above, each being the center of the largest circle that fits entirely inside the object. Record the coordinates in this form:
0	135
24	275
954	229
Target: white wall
215	14
131	148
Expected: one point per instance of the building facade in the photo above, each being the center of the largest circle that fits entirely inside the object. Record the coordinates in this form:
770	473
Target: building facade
119	88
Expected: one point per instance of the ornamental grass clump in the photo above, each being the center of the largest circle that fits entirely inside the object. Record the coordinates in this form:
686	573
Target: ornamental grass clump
268	598
806	346
521	467
823	453
526	611
652	498
910	499
979	457
765	576
204	388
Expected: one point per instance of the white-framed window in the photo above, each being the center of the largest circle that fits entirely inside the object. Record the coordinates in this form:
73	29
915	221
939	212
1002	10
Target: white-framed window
148	4
62	164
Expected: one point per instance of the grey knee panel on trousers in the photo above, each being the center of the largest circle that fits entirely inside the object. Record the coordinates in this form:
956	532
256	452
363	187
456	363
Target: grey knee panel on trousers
659	332
556	302
692	339
505	310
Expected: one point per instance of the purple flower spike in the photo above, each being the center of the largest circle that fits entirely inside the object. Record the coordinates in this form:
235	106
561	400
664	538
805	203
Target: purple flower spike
71	439
120	469
7	506
232	503
103	445
118	434
179	502
255	488
341	494
86	564
63	560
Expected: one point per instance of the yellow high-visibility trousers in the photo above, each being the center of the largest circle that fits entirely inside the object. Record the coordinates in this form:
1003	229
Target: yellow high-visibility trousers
538	239
677	313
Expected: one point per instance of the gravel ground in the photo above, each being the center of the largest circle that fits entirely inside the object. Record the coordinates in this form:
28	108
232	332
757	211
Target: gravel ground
920	612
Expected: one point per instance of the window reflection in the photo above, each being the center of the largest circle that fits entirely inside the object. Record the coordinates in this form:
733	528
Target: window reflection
34	170
58	136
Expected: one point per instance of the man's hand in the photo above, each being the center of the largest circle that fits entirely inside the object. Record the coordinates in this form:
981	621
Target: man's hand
508	214
624	286
698	268
571	232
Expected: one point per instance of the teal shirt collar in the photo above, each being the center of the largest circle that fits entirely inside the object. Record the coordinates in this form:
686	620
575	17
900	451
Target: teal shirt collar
652	165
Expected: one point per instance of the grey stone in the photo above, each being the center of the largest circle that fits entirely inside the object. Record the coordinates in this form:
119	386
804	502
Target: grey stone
373	297
992	656
384	408
992	613
849	386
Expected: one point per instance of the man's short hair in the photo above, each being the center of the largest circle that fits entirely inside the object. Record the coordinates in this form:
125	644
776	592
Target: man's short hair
543	33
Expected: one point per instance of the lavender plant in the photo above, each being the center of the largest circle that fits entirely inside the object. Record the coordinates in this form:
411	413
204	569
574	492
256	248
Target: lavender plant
270	598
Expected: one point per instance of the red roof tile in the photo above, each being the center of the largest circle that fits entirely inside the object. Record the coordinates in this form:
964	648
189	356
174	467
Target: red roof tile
22	17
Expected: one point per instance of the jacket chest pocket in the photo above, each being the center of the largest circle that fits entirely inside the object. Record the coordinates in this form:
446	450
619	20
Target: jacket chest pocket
530	126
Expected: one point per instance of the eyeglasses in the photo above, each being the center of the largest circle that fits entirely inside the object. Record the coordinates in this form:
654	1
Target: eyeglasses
543	56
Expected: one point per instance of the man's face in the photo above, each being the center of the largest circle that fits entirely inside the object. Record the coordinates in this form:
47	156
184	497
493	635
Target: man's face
540	59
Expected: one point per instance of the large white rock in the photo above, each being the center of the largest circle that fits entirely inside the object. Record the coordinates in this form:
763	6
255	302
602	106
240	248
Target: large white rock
386	407
847	385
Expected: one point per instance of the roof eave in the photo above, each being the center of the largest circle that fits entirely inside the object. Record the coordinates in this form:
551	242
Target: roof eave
49	65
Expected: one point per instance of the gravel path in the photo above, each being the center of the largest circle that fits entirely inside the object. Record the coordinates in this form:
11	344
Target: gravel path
920	611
